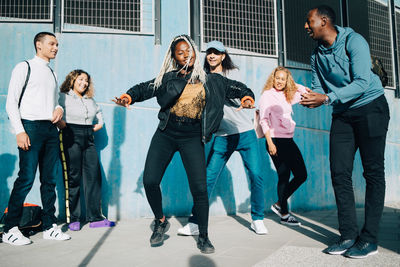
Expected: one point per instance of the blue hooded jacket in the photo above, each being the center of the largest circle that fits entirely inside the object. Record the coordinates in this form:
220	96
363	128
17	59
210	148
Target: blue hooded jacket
343	71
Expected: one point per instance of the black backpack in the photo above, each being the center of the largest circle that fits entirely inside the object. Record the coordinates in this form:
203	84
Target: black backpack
31	219
377	68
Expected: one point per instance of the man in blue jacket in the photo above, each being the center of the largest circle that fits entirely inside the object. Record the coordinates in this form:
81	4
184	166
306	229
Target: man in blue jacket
342	77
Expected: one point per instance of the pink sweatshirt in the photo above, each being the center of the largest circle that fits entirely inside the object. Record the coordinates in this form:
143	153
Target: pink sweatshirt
276	112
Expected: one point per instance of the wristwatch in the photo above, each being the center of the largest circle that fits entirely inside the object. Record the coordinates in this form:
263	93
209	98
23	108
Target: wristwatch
327	100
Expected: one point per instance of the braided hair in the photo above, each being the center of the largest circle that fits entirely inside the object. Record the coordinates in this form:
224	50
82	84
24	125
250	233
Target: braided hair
169	63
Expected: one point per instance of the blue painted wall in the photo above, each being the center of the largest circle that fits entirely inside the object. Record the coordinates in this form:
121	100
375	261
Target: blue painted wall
116	62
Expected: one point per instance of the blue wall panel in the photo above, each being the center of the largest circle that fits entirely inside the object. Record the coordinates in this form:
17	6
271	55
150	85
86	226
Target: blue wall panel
116	62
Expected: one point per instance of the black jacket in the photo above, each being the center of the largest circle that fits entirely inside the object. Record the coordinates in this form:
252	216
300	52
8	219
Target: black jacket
217	89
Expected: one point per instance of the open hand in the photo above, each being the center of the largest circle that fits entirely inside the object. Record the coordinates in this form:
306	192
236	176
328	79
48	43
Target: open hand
121	101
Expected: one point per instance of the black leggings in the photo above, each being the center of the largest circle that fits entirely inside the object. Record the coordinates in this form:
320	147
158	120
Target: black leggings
163	146
288	159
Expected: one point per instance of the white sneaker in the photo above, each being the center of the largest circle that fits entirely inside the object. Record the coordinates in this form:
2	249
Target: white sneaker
189	229
55	233
259	227
15	237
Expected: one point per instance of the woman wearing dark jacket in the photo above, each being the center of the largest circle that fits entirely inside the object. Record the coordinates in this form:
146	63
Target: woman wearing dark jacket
191	110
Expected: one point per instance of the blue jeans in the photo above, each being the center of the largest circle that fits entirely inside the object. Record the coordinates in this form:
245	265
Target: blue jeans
44	151
246	144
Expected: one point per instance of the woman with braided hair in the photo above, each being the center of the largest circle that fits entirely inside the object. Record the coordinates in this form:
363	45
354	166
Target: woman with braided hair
191	104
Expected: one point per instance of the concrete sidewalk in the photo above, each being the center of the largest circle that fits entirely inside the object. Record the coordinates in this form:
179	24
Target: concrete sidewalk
127	244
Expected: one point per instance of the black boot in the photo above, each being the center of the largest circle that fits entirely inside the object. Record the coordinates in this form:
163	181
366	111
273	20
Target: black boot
204	244
160	228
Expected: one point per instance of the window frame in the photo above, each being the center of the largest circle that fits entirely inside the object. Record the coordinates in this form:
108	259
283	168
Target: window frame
103	30
235	51
16	20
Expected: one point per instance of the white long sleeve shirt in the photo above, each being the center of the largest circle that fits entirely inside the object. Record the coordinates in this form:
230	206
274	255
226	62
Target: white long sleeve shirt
40	98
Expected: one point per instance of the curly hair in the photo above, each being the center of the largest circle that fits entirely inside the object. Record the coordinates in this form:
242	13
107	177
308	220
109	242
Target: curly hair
290	88
70	79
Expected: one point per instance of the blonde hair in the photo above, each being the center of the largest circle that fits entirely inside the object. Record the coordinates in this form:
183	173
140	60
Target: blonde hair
169	63
70	79
290	87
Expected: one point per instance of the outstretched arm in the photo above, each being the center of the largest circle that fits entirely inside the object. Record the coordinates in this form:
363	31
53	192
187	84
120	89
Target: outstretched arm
137	93
239	90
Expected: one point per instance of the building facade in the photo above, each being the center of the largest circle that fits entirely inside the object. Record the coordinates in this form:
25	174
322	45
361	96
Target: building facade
121	43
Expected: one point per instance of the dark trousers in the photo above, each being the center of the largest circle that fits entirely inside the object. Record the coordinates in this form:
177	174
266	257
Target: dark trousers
83	168
365	129
288	159
163	146
44	151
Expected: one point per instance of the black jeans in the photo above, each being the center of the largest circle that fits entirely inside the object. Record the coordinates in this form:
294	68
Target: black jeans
44	151
83	167
163	146
363	128
288	159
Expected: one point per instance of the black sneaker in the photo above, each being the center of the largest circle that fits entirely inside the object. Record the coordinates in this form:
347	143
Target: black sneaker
160	228
290	220
277	210
361	250
204	244
339	247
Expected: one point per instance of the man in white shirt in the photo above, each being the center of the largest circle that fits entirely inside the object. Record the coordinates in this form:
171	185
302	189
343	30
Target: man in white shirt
33	118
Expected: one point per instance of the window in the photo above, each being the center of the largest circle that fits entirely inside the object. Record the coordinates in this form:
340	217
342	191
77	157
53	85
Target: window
116	16
22	10
397	10
248	27
372	21
380	41
298	45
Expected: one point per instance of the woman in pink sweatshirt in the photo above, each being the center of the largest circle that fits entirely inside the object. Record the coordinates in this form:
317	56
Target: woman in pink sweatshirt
278	95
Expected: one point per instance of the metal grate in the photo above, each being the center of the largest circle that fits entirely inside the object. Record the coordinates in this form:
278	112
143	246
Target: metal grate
397	10
298	45
107	15
248	26
24	10
380	40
